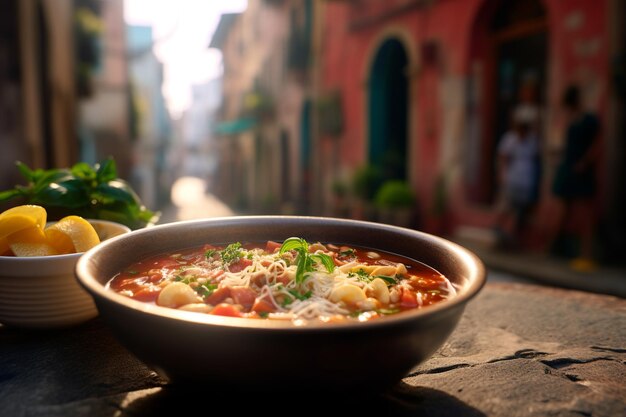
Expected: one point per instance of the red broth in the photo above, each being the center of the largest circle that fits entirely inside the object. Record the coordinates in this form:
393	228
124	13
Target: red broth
294	281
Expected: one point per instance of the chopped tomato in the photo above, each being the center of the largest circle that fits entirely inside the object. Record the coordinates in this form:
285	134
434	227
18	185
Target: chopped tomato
155	277
218	295
271	246
283	279
224	309
262	305
147	293
244	296
408	299
240	265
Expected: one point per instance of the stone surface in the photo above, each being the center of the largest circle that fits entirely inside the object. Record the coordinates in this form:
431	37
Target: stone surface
526	350
519	350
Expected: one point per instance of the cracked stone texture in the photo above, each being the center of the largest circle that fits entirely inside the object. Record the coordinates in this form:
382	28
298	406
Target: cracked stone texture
519	350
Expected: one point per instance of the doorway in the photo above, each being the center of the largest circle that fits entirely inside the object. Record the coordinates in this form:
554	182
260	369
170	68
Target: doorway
388	111
510	44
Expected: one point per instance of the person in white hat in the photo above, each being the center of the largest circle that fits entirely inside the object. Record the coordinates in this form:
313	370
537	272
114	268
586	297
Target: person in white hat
518	153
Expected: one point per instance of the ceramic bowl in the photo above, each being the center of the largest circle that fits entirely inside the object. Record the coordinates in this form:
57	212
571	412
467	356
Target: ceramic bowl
254	354
41	292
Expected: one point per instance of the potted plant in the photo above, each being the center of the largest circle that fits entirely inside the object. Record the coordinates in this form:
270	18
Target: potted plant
365	184
93	192
395	201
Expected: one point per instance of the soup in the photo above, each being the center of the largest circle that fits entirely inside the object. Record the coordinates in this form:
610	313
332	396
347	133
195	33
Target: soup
295	281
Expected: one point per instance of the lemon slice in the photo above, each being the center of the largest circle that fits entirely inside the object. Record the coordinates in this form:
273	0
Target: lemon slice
30	241
20	218
15	223
72	229
59	240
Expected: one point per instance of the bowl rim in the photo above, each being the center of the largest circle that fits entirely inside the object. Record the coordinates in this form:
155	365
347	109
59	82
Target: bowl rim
101	293
17	259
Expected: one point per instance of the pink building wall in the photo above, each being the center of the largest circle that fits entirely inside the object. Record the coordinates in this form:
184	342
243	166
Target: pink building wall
577	52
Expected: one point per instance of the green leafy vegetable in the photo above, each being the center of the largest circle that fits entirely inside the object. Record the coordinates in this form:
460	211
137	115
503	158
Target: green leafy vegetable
301	296
365	277
88	191
206	289
305	261
347	252
389	280
180	278
232	253
297	295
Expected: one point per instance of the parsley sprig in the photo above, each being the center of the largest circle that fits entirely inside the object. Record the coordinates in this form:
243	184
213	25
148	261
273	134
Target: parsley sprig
365	277
305	261
231	253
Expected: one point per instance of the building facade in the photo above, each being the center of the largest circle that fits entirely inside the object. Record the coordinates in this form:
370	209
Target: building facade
264	122
63	85
428	87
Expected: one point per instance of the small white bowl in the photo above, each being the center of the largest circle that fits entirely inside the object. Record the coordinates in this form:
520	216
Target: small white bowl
41	292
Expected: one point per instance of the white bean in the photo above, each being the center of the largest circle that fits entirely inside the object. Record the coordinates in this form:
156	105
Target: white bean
389	271
380	290
347	293
177	294
368	304
394	295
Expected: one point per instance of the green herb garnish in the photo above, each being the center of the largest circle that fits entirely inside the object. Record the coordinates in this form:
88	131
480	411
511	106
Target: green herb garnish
305	260
209	254
347	252
206	289
361	274
180	278
365	277
232	253
299	295
388	280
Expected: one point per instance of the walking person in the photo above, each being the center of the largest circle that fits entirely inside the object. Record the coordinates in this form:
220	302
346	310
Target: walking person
574	183
518	154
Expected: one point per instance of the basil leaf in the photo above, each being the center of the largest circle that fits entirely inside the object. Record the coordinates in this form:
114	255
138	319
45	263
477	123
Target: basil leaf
389	280
9	194
107	171
45	178
70	194
25	171
84	171
113	191
325	260
300	296
294	243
